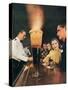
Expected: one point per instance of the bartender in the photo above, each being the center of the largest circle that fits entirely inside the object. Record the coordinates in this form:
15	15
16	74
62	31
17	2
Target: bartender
18	57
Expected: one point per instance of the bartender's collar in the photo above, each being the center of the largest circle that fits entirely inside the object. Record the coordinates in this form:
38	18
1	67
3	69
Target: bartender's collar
17	39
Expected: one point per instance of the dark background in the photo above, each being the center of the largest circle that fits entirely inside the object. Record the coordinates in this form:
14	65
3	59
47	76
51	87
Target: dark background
54	15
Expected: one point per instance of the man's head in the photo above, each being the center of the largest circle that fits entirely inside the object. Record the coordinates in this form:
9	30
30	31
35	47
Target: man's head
21	35
48	46
44	46
61	32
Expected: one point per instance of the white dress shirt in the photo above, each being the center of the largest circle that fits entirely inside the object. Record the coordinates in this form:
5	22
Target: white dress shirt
17	51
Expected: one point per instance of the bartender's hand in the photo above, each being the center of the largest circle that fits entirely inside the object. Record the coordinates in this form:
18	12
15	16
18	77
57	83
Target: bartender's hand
30	58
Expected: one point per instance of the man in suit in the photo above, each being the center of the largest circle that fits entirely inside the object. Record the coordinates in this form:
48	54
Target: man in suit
61	33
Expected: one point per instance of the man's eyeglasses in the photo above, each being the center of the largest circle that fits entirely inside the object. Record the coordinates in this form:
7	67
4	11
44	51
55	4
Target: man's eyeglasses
58	30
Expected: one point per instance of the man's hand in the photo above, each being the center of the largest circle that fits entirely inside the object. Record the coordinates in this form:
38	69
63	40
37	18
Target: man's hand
30	58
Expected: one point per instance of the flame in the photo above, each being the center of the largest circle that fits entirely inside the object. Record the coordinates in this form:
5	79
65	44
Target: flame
35	17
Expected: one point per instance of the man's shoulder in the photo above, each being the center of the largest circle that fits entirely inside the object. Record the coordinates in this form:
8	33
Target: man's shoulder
15	41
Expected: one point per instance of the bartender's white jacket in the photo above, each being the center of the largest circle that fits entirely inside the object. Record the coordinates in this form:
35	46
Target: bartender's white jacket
16	50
